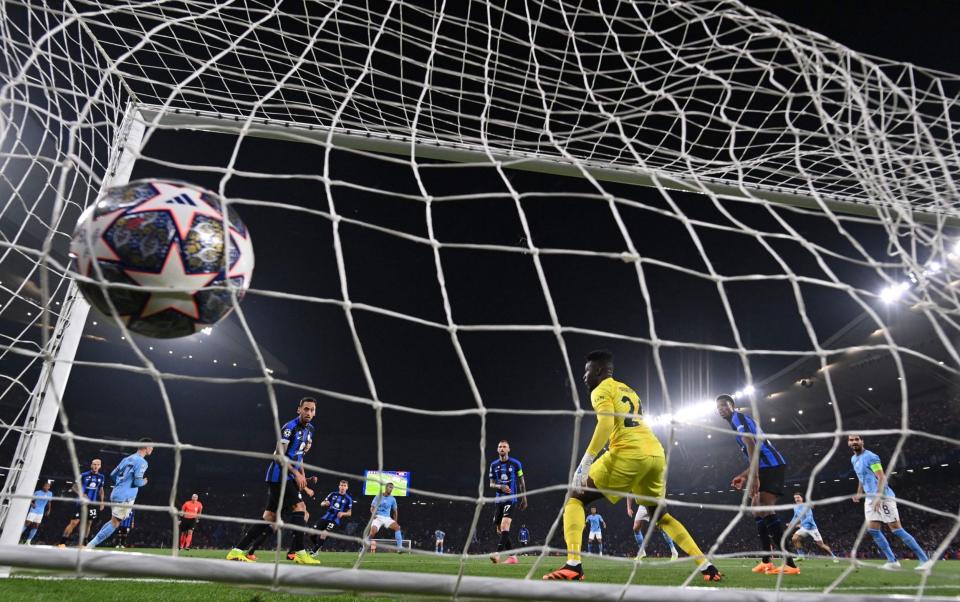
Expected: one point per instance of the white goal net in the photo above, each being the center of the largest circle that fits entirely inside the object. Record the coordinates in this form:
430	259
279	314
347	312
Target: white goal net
451	205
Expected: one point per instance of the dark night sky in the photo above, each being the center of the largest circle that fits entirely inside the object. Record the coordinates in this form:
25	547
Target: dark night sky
414	365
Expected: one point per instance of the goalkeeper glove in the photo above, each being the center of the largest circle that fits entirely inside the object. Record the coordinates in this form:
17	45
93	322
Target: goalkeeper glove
583	471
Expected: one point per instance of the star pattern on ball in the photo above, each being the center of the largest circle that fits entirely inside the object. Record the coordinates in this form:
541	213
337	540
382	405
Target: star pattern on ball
183	205
243	266
172	276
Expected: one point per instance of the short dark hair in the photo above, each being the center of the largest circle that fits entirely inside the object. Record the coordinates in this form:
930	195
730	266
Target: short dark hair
344	481
726	399
145	440
797	493
503	441
601	356
304	400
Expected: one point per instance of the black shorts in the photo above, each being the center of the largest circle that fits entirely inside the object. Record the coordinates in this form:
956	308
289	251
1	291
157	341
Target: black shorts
325	525
92	513
771	479
291	496
504	510
188	524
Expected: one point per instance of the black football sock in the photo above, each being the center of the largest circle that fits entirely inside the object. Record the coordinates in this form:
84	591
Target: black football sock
64	539
254	533
504	543
775	531
764	538
297	519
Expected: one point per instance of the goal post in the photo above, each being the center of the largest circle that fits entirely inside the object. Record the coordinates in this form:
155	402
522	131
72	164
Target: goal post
461	152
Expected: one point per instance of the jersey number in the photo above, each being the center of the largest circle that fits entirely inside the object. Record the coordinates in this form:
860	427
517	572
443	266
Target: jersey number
628	422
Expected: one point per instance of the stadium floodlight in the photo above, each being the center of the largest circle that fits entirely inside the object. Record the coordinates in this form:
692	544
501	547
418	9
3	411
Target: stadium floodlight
893	292
749	390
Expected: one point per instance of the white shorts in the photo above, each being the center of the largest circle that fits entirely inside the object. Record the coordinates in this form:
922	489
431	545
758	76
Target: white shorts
814	533
885	513
640	514
595	536
35	517
380	522
121	512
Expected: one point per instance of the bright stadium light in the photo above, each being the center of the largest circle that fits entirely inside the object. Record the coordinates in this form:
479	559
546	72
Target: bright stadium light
207	330
749	390
893	292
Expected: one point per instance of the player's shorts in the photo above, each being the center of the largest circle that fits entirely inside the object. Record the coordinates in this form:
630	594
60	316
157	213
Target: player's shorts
291	496
595	536
122	509
771	479
325	525
502	511
885	513
92	513
814	533
35	517
380	522
641	514
188	524
617	476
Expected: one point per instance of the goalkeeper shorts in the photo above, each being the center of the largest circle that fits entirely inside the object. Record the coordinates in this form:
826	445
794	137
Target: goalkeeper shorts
616	476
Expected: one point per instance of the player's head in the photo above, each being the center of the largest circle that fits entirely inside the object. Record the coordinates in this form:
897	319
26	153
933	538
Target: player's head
95	465
503	448
598	368
194	497
145	446
725	406
797	498
593	510
855	443
46	485
307	409
343	486
388	489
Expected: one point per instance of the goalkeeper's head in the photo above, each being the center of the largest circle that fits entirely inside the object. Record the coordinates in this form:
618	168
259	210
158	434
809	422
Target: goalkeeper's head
599	367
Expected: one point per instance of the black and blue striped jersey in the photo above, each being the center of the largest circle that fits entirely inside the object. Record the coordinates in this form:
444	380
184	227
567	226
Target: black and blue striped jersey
298	437
506	472
769	456
91	483
338	503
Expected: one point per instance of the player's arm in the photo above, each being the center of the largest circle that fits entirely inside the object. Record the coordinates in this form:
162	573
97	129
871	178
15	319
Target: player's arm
101	497
630	506
395	511
139	476
523	491
603	523
753	460
299	478
859	494
602	402
881	482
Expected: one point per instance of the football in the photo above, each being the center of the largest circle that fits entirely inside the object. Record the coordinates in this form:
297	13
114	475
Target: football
158	250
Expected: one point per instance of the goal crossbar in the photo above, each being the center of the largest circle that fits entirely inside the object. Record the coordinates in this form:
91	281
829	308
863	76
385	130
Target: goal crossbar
127	564
460	152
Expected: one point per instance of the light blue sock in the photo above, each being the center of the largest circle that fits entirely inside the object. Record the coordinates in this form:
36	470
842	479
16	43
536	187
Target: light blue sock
908	539
105	532
639	537
883	544
33	532
669	541
399	537
600	548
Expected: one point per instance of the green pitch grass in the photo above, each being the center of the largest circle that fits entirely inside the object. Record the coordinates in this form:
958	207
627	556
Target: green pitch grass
816	575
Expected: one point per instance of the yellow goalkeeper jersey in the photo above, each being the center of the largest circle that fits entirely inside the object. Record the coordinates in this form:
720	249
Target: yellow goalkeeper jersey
631	435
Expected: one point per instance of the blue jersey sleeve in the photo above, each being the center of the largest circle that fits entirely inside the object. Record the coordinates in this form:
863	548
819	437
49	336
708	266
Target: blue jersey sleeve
349	504
393	503
519	468
748	425
116	471
139	473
